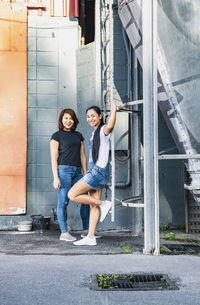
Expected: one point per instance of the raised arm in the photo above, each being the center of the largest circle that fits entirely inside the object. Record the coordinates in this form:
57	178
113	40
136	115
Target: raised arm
111	121
54	163
83	159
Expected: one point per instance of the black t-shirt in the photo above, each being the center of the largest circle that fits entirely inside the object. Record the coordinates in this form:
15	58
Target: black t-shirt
69	147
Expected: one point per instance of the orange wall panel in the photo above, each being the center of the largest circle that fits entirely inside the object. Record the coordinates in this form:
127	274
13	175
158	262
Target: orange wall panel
13	108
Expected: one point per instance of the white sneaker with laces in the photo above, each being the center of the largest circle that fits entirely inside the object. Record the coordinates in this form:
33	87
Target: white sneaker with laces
67	237
86	241
104	208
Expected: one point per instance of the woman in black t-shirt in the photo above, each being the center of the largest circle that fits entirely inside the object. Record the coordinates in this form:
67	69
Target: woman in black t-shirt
67	160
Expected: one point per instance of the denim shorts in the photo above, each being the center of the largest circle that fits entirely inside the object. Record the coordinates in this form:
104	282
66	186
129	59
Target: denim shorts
97	177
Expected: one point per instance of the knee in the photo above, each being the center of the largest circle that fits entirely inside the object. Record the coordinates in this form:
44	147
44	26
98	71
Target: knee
70	195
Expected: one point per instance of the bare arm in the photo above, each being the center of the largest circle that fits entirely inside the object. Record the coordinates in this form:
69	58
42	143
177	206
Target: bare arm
54	163
83	159
111	121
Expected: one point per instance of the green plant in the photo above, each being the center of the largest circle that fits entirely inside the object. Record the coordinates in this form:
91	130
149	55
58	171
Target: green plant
171	236
164	250
126	248
165	227
181	227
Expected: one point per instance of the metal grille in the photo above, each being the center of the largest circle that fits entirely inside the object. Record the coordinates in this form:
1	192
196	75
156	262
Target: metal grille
194	218
132	282
182	249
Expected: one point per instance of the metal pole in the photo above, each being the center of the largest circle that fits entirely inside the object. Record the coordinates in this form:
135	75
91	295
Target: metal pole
150	119
111	101
135	155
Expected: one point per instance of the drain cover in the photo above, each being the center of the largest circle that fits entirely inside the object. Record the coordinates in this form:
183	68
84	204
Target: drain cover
183	248
132	282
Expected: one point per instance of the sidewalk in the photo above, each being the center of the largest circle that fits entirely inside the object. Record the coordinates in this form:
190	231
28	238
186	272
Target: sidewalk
111	242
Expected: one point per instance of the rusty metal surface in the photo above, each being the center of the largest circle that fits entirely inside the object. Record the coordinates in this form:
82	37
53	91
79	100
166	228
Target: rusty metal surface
13	108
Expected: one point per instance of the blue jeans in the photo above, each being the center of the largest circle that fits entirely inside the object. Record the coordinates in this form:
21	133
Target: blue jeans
68	176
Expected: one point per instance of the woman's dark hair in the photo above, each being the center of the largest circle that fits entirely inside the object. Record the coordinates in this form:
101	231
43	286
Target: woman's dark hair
96	139
73	115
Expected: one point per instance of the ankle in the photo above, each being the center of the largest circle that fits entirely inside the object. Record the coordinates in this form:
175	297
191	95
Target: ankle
91	236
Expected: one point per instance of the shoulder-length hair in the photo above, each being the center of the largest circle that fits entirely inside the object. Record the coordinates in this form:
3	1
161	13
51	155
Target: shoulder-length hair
96	139
73	115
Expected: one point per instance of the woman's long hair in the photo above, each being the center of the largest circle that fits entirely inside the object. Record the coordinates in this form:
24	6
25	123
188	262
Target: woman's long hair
96	139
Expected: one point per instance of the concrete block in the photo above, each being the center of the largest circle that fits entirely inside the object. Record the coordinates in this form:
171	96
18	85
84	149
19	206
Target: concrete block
47	101
31	156
31	31
31	44
32	115
44	115
31	171
47	73
31	58
32	72
44	184
48	33
91	95
32	22
84	82
43	156
32	129
66	35
42	143
43	171
31	197
31	185
46	128
47	199
46	44
31	142
47	58
67	101
32	100
47	87
31	86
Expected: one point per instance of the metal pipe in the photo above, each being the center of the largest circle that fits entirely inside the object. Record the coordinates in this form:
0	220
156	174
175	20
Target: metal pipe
150	127
179	156
135	155
111	101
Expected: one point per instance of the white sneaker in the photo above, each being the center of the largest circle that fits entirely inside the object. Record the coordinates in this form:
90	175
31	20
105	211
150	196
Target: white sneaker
67	237
104	208
84	234
86	241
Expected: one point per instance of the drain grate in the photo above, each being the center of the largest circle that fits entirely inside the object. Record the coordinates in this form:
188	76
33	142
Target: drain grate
132	282
183	248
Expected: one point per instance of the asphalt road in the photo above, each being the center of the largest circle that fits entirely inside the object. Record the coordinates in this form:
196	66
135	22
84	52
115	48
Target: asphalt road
60	280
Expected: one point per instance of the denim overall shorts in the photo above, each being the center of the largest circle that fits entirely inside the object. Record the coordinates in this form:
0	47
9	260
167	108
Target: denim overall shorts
96	177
